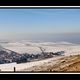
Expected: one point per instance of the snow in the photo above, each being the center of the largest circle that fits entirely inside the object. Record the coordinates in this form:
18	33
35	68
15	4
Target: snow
33	48
22	66
15	44
30	50
1	48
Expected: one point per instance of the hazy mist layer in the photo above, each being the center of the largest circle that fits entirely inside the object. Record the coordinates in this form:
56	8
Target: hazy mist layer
72	37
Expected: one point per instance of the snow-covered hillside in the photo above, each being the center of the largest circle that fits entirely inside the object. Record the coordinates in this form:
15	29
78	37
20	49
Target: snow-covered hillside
22	66
33	47
21	47
3	49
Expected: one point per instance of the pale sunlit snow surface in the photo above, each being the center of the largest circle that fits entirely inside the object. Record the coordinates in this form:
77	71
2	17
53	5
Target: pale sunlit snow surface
33	47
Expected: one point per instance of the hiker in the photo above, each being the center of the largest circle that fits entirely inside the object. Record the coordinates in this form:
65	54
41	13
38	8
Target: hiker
14	69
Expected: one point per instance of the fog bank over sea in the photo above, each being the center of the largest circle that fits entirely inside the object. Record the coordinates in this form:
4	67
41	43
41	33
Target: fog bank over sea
71	37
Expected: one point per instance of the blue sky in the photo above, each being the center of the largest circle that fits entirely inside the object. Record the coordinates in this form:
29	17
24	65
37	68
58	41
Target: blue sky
21	23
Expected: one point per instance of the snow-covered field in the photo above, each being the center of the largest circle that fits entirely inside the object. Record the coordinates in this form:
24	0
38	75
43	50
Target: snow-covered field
33	48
